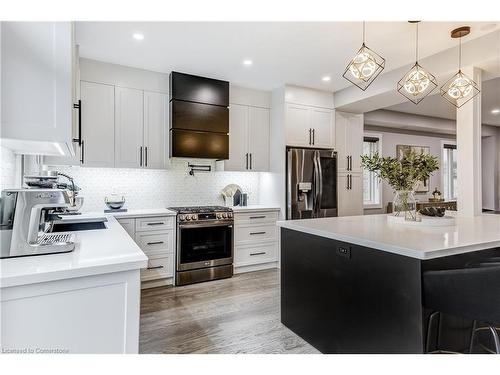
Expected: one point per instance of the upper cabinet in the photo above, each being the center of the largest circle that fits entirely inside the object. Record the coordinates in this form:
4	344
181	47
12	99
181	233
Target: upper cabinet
37	61
349	141
309	118
155	129
249	130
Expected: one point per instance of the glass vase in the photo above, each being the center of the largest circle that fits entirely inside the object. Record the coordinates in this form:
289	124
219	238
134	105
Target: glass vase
405	205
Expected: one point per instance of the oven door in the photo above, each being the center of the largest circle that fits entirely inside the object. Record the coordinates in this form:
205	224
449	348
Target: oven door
201	245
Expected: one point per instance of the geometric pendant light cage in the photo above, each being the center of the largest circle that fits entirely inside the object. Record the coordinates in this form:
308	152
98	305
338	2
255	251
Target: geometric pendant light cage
417	83
459	89
364	67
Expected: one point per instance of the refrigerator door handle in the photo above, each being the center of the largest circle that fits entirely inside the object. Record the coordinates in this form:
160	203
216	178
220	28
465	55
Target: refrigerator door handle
320	184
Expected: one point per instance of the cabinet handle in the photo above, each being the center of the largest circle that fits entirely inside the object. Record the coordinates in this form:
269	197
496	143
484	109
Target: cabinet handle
146	155
155	243
313	137
257	217
350	182
154	268
79	107
156	223
140	156
347	183
250	160
254	233
310	136
259	253
82	160
246	160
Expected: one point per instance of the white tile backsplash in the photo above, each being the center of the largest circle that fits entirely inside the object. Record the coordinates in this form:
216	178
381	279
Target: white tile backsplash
7	168
144	188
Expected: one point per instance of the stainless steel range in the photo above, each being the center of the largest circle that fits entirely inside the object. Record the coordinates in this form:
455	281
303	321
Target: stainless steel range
204	248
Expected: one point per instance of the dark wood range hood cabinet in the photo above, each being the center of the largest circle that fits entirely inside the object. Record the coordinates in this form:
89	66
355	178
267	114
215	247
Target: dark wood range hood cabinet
199	117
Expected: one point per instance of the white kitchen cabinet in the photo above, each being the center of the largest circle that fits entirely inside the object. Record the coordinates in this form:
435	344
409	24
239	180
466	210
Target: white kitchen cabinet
36	87
249	129
350	194
255	240
155	129
129	126
349	141
98	124
308	126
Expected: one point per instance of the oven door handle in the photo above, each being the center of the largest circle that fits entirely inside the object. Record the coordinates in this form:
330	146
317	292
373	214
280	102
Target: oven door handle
204	225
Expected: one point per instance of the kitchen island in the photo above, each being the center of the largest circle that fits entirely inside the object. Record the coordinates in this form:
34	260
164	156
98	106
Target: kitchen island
85	301
354	284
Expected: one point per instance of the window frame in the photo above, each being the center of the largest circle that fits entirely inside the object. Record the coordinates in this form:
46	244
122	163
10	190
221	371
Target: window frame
378	205
444	172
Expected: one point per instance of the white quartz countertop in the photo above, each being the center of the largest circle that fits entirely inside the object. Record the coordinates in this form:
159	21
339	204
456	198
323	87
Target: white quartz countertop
96	252
421	242
148	212
255	208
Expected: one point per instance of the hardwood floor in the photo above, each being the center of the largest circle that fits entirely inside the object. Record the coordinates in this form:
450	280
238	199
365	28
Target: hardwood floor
237	315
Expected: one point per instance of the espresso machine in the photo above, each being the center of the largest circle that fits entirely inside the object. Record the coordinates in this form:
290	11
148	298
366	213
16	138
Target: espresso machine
26	219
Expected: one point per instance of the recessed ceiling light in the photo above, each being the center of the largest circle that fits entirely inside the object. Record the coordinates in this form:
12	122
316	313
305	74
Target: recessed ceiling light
247	62
326	79
138	36
495	111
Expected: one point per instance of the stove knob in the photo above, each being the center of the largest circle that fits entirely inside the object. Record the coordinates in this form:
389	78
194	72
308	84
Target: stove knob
230	215
224	215
188	217
182	217
194	217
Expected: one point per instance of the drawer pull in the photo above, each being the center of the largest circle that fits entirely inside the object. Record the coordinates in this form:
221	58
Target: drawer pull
254	233
257	217
261	253
155	243
157	223
155	268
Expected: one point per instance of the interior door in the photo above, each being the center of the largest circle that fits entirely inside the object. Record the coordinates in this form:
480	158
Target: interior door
322	123
155	129
238	130
298	123
129	124
258	139
98	124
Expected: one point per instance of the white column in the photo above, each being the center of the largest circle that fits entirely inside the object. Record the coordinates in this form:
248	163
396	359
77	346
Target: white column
469	152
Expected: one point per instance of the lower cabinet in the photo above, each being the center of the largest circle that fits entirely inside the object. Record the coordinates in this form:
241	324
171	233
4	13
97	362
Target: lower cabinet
255	240
350	194
156	237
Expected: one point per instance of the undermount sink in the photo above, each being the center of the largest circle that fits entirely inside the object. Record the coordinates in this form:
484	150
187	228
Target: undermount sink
78	225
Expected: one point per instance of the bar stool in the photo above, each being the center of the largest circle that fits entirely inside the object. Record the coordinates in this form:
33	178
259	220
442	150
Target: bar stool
472	293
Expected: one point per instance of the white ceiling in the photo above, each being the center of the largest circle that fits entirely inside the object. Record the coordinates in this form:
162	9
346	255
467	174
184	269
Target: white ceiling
436	106
298	53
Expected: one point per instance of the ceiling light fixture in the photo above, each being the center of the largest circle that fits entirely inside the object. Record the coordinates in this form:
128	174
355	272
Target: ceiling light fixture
326	79
495	111
364	67
247	62
138	36
459	89
418	82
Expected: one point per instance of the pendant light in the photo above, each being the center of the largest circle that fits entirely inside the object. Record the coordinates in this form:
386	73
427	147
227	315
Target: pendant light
364	67
418	82
459	89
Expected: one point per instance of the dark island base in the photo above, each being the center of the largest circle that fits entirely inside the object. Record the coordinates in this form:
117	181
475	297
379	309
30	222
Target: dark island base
345	298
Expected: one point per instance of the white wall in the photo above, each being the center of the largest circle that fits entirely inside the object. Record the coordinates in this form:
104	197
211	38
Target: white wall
7	169
489	172
389	142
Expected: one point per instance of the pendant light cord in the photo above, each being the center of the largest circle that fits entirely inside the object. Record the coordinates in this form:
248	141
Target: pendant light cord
363	32
460	54
416	47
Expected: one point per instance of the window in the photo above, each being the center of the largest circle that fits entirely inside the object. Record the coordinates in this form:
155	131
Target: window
449	170
371	183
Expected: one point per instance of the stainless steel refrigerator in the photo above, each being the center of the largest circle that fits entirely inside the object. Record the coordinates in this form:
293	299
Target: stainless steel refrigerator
311	183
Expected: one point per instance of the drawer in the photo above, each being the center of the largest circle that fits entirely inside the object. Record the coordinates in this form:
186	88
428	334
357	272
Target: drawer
128	225
255	217
154	223
244	234
248	255
158	268
155	243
